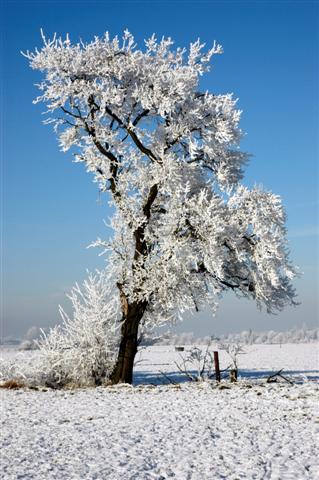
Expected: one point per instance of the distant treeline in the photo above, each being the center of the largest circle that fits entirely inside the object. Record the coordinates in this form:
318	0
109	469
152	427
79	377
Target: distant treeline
246	337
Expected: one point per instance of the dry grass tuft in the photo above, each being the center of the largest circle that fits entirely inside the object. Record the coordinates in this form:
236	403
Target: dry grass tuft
12	385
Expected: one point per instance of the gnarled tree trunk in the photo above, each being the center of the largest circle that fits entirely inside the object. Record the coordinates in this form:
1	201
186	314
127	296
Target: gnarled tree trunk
123	369
132	313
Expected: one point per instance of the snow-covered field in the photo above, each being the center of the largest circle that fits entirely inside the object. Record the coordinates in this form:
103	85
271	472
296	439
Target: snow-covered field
250	430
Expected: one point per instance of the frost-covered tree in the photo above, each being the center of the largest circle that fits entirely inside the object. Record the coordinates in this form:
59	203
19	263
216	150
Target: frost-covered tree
185	229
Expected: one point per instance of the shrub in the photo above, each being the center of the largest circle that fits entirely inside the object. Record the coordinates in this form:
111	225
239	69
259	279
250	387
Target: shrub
82	351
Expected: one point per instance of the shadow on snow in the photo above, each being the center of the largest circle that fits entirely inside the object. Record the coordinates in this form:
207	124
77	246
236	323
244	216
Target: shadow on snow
158	378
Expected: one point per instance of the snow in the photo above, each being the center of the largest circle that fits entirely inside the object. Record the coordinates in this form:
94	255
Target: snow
258	361
250	430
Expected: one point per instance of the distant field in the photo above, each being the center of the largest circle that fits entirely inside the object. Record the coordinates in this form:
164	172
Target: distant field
257	361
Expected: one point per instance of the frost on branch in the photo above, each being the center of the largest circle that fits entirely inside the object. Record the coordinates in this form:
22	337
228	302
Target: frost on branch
185	229
82	351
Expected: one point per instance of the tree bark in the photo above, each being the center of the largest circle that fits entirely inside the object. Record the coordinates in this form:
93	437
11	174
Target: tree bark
123	369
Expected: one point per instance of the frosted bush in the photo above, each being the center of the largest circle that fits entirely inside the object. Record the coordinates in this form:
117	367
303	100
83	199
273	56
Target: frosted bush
82	351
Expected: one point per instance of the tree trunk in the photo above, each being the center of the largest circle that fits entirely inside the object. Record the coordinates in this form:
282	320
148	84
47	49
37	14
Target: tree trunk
132	313
123	369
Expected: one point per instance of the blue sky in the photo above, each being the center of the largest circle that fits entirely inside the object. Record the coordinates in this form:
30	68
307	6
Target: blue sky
51	208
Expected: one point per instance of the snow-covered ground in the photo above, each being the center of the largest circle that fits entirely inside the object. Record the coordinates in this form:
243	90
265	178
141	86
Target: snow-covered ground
258	361
250	430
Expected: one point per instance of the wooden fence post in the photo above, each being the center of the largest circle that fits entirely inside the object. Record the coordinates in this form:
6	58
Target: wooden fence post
233	375
217	370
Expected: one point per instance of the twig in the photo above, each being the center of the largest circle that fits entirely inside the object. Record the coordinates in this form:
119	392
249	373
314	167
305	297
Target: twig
185	372
278	374
206	355
167	378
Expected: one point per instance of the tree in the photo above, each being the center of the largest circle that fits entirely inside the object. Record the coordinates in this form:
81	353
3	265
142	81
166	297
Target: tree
185	229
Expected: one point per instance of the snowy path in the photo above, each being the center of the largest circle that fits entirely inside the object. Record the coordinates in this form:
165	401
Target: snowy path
194	431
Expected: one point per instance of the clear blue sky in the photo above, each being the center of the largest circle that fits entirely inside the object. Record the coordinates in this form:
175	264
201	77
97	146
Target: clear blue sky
51	208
